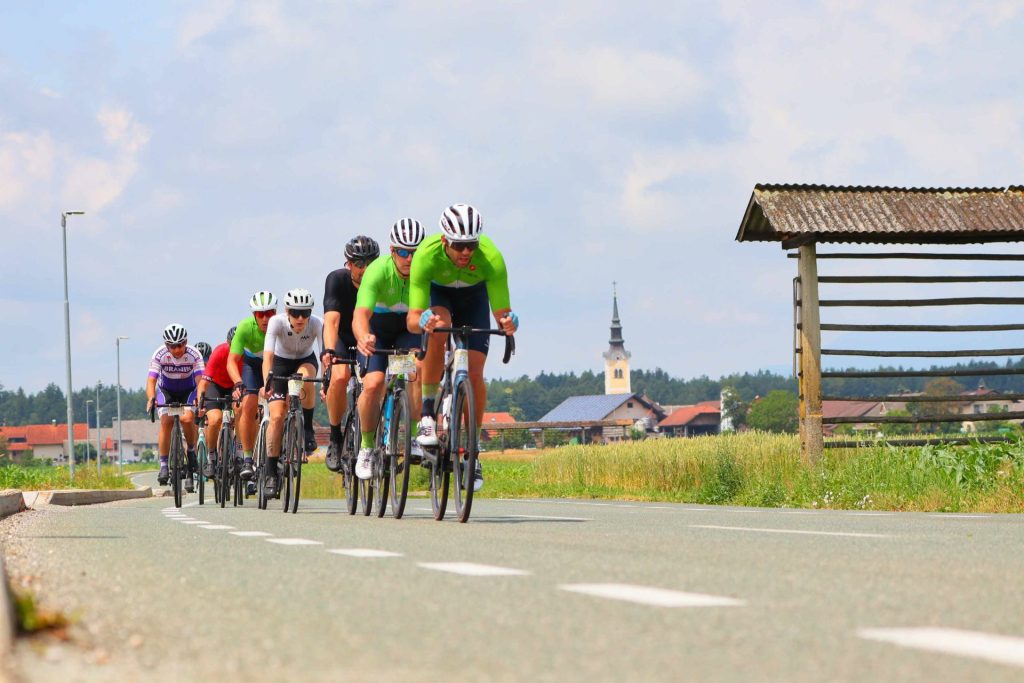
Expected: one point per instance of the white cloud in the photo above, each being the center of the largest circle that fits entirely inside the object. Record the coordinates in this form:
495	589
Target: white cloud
200	23
26	160
93	182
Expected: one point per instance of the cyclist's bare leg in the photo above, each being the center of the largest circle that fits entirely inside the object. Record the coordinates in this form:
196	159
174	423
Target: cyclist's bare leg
213	422
246	425
337	399
433	363
276	427
476	378
188	425
308	396
415	390
370	399
164	440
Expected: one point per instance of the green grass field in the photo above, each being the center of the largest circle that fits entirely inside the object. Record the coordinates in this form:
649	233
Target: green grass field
39	478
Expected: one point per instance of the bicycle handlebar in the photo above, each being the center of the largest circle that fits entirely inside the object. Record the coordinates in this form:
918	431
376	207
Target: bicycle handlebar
465	331
152	411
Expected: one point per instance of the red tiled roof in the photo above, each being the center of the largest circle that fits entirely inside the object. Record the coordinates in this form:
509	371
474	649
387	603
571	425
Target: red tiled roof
498	417
846	408
687	414
42	435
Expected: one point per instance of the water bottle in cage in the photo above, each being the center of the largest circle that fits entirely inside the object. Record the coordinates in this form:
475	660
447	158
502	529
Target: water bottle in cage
446	405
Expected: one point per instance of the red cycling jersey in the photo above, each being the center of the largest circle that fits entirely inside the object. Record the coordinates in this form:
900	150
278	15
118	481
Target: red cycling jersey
217	367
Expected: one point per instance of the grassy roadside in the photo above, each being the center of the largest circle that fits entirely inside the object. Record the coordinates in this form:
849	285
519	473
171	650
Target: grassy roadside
754	469
48	478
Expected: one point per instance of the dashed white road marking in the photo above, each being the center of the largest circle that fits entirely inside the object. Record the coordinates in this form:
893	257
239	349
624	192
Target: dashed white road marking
987	646
646	595
789	531
216	527
363	552
553	517
193	521
251	534
293	541
472	569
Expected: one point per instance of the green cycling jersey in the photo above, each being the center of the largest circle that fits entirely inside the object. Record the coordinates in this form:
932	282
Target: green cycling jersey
432	265
383	289
248	339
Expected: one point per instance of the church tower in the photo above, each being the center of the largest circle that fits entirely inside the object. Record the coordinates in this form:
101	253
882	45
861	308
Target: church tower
616	358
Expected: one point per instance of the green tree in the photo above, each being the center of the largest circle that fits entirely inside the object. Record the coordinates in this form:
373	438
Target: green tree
734	408
940	386
776	412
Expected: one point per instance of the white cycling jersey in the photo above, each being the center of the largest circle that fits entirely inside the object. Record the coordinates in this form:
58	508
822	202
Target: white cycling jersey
284	342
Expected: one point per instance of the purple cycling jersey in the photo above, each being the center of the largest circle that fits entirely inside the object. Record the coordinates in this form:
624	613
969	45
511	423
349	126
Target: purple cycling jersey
177	375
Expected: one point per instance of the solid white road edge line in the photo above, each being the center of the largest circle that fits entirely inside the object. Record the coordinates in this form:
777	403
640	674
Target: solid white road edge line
646	595
472	569
987	646
789	531
553	517
363	552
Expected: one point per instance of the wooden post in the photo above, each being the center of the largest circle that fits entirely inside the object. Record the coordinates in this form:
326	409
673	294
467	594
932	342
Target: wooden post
811	436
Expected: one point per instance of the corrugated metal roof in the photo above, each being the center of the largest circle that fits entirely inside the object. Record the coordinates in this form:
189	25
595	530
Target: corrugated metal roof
889	215
585	408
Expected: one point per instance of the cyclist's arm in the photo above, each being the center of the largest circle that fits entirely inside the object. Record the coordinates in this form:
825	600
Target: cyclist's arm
201	390
234	363
269	344
419	293
150	389
361	330
332	319
268	365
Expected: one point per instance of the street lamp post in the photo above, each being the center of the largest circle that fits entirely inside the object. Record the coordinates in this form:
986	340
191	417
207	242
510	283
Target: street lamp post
120	448
87	402
98	450
67	340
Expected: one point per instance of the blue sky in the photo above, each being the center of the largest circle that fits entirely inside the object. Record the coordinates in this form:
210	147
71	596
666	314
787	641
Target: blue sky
223	147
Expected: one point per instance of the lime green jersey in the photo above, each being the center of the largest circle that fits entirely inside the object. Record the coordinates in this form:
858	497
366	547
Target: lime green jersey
383	289
432	265
248	339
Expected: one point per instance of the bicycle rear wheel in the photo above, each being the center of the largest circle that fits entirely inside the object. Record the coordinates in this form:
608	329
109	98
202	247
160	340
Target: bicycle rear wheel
260	462
286	455
201	456
380	476
440	468
464	453
366	494
177	460
295	466
400	438
227	455
349	448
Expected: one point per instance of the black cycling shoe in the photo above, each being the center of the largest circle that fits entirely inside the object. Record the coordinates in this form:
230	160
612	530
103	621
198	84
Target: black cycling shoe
247	471
310	441
193	461
270	485
333	459
164	475
250	488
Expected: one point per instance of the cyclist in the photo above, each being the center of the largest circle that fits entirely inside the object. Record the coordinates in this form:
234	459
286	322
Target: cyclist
456	275
215	384
380	321
288	349
173	371
245	366
339	303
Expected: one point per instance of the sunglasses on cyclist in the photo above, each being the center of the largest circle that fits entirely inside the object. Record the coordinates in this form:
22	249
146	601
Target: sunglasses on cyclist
403	253
464	246
172	347
264	314
299	312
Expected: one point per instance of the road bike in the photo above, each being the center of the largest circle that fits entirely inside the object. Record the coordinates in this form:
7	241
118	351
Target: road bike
393	436
457	446
293	449
259	455
177	457
202	453
350	435
227	467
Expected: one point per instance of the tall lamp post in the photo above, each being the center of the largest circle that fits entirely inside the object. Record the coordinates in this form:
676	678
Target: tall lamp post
98	450
120	448
88	401
67	340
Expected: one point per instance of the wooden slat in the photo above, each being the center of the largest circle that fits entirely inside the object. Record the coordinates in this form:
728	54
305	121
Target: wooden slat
912	303
916	256
922	373
914	419
953	440
969	353
842	327
927	399
927	279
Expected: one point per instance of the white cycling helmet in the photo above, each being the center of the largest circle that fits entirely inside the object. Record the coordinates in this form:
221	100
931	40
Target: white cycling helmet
461	223
298	299
175	333
263	301
407	233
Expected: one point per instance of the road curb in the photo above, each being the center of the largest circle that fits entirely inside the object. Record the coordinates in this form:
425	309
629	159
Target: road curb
11	502
90	496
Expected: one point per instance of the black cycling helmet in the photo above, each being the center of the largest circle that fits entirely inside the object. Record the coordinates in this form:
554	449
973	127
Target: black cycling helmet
204	350
362	248
231	334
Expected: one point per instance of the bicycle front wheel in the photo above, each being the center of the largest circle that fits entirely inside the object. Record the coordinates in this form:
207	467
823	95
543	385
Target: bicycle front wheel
464	447
349	448
400	438
295	466
285	477
380	469
260	462
201	457
177	460
440	468
227	454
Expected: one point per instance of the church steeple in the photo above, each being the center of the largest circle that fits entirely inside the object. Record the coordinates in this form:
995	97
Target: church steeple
616	358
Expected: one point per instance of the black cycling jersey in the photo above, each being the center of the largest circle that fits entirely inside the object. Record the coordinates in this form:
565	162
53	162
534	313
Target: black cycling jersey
340	296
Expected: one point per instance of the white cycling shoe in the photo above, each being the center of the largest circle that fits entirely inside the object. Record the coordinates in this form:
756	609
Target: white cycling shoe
364	463
428	432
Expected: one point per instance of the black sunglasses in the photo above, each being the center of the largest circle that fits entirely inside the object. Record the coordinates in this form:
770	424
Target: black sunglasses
299	312
464	246
179	345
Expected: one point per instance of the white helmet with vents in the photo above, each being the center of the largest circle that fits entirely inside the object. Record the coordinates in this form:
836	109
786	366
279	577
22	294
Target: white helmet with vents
175	333
461	223
407	233
298	299
263	301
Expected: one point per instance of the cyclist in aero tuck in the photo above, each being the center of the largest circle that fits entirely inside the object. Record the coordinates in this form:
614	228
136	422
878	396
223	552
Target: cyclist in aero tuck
455	277
174	370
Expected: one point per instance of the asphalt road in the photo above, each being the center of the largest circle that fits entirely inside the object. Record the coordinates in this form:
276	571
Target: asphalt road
528	590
